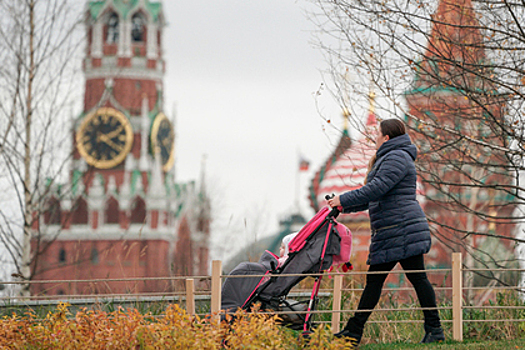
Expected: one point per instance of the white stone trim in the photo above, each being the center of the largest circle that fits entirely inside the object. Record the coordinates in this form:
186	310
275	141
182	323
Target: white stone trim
136	123
139	62
109	61
152	47
126	38
200	237
96	39
123	72
135	231
159	204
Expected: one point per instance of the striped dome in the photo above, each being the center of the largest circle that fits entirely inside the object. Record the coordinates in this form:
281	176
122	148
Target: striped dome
349	170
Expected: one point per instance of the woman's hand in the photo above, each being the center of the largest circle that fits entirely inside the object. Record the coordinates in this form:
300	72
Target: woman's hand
334	202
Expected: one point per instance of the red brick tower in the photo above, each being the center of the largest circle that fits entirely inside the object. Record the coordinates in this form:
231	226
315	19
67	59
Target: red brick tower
122	214
449	94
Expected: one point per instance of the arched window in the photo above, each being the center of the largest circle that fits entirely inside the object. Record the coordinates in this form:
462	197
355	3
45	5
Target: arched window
62	256
52	212
111	214
138	211
94	256
80	212
183	259
112	29
138	28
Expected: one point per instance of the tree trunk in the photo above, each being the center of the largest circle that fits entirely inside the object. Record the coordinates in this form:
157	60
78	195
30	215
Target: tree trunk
26	247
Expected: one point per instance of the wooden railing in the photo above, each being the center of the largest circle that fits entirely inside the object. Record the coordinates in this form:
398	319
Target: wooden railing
190	295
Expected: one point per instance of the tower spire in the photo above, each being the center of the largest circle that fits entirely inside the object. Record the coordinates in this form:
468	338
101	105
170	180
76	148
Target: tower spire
143	163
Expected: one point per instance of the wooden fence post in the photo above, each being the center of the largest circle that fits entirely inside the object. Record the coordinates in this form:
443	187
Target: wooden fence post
457	298
336	304
190	296
216	270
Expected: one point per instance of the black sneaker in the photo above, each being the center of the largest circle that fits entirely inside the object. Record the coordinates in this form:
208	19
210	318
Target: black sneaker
350	338
434	335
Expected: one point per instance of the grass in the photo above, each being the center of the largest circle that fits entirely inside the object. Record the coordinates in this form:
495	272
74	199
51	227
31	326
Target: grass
469	344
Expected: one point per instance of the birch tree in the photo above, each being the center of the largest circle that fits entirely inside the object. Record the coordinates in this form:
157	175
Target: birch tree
40	42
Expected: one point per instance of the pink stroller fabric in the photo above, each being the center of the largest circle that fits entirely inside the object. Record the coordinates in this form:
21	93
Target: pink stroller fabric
346	236
315	247
300	239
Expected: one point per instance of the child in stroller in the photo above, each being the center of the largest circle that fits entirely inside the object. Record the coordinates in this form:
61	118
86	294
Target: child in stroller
320	243
284	249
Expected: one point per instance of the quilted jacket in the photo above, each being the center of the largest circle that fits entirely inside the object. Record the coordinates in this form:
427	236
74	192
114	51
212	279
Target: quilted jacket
399	226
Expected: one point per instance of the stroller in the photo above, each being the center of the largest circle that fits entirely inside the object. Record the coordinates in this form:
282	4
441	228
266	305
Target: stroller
321	243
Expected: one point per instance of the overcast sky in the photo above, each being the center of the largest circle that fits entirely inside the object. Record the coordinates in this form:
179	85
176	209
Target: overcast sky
243	75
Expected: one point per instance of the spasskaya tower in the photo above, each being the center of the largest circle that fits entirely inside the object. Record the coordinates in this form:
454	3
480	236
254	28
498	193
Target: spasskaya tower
122	213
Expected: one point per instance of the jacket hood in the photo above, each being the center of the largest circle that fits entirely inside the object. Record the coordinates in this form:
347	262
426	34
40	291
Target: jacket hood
401	142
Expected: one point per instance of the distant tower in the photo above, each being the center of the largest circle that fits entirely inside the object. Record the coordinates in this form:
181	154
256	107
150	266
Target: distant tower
122	214
455	40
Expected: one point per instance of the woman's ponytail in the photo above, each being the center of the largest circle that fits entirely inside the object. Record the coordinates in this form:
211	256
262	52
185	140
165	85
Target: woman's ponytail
371	163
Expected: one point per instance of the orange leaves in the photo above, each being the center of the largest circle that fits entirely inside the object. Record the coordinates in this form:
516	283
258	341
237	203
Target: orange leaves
174	329
129	329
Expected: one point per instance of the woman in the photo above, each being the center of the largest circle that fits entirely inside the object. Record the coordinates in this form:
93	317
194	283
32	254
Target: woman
400	232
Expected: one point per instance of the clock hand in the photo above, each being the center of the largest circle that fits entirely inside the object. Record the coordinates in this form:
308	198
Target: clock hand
115	132
166	142
104	138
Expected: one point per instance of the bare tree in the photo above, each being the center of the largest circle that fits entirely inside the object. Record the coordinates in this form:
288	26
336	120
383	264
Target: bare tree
455	71
39	50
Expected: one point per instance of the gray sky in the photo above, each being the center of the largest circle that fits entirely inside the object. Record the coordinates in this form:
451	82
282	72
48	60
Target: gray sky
243	75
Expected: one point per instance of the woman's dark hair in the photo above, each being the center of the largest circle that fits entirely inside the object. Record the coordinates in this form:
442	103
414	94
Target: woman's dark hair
392	128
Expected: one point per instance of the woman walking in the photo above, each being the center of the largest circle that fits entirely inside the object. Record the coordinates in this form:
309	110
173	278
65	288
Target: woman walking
400	232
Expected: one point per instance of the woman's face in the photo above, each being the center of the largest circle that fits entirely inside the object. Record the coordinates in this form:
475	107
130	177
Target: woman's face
380	139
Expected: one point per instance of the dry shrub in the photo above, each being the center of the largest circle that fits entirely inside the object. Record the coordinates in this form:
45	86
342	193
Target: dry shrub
175	329
256	331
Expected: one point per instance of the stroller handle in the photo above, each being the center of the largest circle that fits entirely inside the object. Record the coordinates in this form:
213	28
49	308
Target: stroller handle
335	211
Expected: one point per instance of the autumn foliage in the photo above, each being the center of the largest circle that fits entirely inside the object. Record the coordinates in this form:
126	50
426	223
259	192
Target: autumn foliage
175	329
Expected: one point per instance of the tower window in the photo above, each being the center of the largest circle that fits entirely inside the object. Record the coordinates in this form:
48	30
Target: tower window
62	256
112	29
138	211
138	28
80	212
52	212
94	256
112	211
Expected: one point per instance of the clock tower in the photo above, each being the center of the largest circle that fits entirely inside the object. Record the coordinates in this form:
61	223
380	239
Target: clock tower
122	214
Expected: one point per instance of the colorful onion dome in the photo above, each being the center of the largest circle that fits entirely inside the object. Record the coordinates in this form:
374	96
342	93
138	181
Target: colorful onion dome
342	146
349	170
346	169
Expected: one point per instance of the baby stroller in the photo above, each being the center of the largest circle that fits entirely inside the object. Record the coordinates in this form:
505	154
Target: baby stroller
321	243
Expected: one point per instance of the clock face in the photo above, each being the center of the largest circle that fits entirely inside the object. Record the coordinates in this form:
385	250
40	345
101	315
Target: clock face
105	138
163	140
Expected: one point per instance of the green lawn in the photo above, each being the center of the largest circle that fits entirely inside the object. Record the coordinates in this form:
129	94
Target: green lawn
470	345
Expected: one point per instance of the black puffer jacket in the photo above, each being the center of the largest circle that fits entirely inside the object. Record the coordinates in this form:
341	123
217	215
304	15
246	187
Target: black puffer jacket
399	226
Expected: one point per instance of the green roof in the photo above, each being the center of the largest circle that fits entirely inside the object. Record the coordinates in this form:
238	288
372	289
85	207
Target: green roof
124	7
